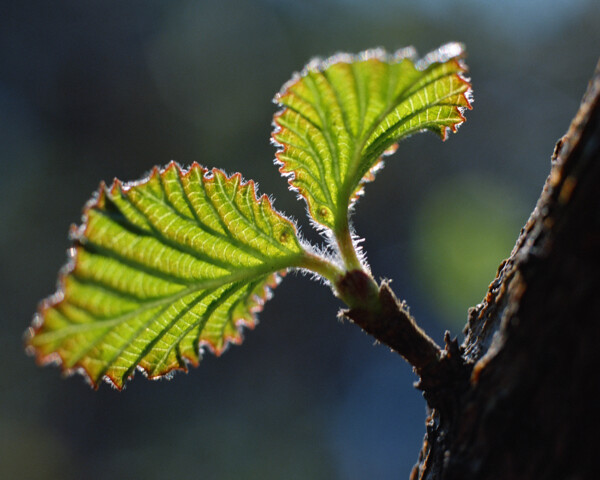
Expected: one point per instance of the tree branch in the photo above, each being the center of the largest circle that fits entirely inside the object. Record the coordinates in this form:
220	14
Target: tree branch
518	400
530	407
441	372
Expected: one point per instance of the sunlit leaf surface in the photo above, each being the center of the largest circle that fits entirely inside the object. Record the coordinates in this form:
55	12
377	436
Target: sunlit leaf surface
161	269
342	114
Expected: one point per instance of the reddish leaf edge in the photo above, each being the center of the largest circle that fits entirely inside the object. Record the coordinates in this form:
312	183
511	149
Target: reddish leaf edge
454	51
77	232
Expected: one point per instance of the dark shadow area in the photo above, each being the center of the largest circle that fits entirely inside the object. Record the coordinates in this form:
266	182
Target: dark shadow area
95	90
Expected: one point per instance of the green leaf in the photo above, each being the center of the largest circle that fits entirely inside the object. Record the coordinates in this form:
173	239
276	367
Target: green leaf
342	114
161	269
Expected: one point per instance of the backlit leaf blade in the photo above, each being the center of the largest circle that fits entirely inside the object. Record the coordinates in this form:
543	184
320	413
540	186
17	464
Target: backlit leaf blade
342	114
161	269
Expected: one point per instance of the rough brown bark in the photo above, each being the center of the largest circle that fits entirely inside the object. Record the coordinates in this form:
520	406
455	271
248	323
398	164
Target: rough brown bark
530	407
520	398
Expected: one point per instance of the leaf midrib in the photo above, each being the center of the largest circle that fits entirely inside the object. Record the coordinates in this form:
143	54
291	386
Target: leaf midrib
247	275
357	156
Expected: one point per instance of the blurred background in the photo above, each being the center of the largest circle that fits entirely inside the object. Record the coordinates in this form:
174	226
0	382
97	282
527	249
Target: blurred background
98	89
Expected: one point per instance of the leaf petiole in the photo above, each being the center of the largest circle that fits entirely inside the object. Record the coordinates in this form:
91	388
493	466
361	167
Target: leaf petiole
346	246
321	266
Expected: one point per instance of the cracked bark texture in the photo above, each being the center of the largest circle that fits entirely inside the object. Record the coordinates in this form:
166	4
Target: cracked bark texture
530	408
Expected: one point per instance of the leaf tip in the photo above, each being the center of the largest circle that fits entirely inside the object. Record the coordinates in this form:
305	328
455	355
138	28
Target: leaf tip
173	165
116	187
116	382
28	335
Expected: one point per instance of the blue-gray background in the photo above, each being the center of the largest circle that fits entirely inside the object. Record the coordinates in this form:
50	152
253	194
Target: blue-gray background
97	89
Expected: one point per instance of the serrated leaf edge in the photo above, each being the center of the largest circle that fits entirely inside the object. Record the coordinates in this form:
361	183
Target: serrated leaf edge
76	232
450	51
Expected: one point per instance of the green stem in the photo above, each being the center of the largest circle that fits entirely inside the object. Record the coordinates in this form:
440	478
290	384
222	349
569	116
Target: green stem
346	246
321	266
